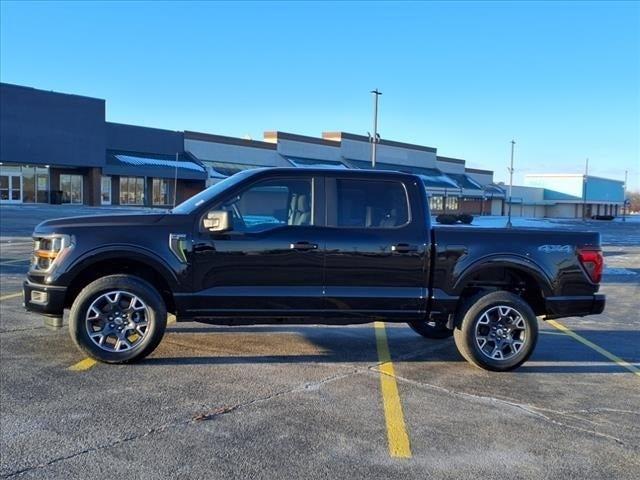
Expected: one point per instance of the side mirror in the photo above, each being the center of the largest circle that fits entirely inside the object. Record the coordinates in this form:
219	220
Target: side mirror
217	221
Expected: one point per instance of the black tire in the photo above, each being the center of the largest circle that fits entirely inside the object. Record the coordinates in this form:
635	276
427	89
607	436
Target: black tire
474	328
155	316
429	329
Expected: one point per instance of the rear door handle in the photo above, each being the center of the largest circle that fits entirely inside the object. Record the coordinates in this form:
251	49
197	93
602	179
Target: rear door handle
303	246
404	248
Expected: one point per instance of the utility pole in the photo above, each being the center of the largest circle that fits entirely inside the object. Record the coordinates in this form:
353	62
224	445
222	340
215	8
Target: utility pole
584	190
175	183
509	224
376	138
624	197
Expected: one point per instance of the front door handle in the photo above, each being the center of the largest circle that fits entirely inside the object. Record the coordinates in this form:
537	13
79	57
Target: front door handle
404	248
303	246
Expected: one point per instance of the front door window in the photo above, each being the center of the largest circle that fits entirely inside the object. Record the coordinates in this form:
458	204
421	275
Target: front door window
271	204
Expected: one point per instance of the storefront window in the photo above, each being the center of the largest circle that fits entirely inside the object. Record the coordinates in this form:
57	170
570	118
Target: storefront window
42	185
452	203
435	202
160	191
105	191
71	187
131	190
28	185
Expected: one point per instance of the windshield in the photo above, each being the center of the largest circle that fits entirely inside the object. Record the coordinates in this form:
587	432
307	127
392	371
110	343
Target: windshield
208	194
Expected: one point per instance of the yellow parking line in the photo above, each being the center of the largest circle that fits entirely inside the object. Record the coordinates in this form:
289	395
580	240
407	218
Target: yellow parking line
83	365
396	429
10	296
595	347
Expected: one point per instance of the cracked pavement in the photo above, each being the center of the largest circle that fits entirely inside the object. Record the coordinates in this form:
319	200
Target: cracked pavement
293	401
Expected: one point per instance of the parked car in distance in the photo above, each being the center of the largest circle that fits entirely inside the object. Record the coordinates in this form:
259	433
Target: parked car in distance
313	246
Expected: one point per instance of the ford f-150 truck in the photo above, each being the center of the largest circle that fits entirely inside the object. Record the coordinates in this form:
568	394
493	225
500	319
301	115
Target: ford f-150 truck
315	246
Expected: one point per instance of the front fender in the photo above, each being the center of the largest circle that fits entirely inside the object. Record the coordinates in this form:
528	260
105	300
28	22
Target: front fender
117	252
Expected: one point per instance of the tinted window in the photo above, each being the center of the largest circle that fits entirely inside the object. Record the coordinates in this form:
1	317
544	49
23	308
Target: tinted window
210	194
270	204
371	204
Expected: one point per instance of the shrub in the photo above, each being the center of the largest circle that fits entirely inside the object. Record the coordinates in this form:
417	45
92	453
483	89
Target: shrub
447	219
465	218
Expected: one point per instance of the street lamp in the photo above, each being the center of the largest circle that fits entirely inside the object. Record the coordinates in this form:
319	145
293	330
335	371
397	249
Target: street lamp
376	138
509	224
584	190
624	197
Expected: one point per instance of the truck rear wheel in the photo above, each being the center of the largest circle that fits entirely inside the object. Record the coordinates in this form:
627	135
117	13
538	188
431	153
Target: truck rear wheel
496	331
118	319
431	329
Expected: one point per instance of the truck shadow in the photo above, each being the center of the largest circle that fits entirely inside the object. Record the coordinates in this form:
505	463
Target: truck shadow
213	345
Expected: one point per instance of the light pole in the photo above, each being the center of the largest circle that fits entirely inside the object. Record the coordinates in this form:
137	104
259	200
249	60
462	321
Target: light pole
513	143
375	139
175	183
584	190
624	197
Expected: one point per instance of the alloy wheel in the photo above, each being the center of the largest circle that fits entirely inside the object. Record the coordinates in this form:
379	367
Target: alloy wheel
500	332
117	321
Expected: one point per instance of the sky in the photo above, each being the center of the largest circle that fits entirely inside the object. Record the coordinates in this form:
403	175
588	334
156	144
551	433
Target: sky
561	79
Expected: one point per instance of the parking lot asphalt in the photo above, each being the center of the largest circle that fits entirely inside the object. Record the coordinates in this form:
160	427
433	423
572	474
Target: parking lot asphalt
308	401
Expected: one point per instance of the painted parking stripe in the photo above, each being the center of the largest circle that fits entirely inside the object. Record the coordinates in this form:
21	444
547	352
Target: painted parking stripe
10	296
396	430
83	365
595	347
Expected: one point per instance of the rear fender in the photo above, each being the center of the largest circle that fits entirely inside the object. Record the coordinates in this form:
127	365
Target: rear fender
520	264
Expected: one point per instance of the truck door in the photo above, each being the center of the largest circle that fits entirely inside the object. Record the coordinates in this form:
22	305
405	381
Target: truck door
376	252
271	262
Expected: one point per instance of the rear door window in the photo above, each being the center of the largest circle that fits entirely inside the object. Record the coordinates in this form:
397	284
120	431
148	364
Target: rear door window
370	204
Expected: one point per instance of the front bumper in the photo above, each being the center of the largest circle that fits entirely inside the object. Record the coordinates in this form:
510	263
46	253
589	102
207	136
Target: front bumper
44	299
578	306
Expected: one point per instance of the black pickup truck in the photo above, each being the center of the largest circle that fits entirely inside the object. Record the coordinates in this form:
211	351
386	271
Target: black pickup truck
310	246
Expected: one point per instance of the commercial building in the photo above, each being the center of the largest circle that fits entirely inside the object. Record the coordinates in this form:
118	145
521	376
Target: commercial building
577	195
58	148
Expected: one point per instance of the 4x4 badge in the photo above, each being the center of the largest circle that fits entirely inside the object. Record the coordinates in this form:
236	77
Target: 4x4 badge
555	248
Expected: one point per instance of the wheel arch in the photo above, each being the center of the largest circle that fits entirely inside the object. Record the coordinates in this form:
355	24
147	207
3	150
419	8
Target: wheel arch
516	275
140	264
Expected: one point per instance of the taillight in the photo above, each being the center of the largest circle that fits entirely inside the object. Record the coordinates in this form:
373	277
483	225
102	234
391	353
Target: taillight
593	263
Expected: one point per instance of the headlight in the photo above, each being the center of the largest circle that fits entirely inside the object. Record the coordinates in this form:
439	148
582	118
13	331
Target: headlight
48	250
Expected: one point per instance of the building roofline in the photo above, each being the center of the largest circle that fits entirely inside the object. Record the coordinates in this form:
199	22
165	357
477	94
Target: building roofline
478	170
554	175
459	161
275	135
24	87
146	128
570	175
339	136
243	142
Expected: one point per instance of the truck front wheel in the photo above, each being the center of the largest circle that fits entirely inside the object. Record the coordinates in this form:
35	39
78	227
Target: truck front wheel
496	331
118	319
